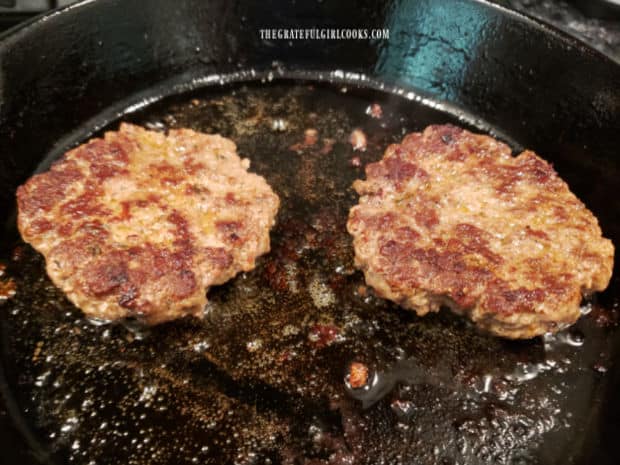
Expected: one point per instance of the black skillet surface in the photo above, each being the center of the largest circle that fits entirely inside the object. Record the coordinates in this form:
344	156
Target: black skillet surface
262	377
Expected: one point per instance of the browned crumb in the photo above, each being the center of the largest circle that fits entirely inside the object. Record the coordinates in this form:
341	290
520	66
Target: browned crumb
357	139
7	289
375	111
358	375
356	162
311	137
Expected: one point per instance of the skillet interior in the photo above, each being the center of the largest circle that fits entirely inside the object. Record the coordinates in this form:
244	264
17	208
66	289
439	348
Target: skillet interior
547	91
262	378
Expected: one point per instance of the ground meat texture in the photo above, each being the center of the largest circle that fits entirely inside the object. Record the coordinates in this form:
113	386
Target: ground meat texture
140	224
451	218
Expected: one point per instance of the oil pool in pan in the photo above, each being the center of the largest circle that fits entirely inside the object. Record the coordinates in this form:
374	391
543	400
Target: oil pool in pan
262	379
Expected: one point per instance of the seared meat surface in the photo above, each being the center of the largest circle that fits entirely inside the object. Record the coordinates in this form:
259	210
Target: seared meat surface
140	224
451	218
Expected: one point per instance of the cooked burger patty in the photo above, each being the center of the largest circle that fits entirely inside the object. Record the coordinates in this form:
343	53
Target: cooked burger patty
140	224
451	218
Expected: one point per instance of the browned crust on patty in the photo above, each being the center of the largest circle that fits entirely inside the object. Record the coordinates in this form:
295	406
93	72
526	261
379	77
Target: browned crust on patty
451	218
140	224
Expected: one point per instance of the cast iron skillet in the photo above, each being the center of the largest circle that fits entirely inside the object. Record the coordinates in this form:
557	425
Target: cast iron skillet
262	378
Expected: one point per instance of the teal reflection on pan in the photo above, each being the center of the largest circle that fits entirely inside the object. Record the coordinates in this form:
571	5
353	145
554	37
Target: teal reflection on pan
431	44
